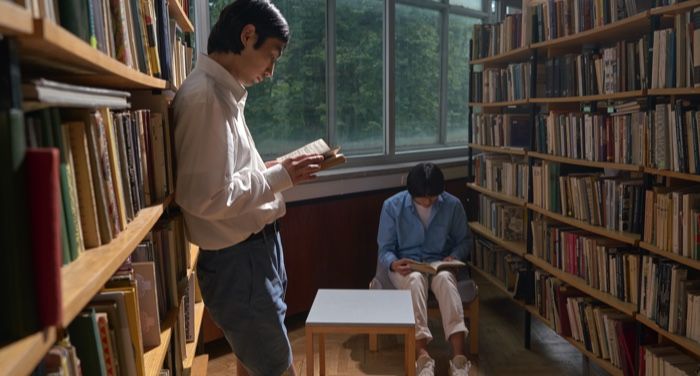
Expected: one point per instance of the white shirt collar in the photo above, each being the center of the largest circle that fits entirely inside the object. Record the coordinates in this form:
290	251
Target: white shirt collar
222	76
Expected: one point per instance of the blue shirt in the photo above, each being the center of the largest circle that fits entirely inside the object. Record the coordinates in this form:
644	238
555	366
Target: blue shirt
402	234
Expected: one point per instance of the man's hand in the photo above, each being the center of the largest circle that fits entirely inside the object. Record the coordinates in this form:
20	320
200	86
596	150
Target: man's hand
401	266
303	167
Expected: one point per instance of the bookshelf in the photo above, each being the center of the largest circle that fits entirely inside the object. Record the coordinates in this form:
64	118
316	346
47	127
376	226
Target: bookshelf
48	50
581	285
499	149
14	19
178	13
515	247
153	358
54	48
630	30
583	162
629	238
20	357
84	277
621	29
590	98
497	195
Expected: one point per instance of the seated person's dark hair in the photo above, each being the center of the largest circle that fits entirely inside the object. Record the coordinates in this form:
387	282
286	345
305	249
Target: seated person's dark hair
225	36
425	179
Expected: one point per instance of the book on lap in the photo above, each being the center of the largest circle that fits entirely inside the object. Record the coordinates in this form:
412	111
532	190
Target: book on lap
435	266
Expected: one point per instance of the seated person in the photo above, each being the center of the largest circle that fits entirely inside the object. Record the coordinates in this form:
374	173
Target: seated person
424	223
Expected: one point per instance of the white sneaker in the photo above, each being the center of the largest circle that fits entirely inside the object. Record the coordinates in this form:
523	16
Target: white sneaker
459	366
425	366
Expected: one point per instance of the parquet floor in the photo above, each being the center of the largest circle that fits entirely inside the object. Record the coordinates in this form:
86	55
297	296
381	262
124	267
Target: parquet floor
501	347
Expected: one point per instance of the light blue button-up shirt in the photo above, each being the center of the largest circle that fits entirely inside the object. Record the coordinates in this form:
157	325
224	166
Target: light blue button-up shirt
402	234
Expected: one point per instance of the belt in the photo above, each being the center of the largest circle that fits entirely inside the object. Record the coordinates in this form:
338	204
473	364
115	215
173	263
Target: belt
268	231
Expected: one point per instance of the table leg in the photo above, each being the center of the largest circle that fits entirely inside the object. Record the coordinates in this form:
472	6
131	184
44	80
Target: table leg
373	342
321	354
410	352
309	352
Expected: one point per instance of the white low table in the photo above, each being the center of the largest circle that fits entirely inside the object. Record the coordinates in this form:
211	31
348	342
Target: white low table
360	311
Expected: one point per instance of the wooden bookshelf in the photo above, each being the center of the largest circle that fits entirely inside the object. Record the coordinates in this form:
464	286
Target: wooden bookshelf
520	102
499	149
153	358
21	357
625	237
590	98
695	264
672	174
684	342
580	284
493	280
583	162
675	8
518	54
515	247
69	58
85	277
602	363
191	347
194	253
679	91
630	26
497	195
14	19
178	13
199	366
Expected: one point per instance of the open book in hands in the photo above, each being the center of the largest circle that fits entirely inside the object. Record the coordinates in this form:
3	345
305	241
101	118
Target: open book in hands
435	266
332	157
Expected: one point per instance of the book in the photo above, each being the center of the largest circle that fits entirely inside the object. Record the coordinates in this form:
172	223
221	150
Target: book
332	156
85	335
61	94
435	266
145	274
45	218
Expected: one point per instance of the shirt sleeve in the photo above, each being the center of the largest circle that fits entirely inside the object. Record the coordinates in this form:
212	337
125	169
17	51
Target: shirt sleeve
215	181
387	237
459	231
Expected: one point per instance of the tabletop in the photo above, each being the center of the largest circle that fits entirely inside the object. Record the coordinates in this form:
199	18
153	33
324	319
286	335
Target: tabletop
362	308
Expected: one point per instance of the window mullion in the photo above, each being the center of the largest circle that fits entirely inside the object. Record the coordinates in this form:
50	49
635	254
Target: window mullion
389	77
331	127
444	53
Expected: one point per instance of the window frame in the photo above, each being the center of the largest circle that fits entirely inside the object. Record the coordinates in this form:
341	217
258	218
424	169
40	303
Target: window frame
367	165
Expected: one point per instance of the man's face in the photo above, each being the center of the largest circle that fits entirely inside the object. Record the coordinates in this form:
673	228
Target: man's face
259	64
426	201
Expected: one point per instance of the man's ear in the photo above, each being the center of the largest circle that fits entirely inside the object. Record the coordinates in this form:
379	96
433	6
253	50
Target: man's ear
248	35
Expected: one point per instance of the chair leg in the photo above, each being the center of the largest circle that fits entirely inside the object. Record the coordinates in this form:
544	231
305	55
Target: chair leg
373	342
474	327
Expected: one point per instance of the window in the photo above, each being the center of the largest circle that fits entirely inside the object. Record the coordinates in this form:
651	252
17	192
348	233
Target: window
330	81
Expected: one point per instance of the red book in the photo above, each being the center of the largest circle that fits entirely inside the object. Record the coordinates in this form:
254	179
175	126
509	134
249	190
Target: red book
44	192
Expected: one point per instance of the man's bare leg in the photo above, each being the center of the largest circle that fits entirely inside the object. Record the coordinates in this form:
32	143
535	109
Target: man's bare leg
457	342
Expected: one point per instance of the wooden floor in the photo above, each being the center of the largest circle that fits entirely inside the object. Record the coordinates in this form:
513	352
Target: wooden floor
500	345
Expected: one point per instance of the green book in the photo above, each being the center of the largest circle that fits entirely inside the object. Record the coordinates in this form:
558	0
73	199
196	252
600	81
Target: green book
85	336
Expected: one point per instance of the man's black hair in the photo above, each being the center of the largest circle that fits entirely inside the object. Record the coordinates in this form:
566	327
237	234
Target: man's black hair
425	179
225	36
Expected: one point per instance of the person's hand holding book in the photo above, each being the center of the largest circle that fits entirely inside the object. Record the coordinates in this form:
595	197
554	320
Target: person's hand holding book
302	167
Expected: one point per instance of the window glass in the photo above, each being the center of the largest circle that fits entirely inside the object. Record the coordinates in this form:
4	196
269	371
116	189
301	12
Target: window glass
289	110
460	32
359	76
417	73
472	4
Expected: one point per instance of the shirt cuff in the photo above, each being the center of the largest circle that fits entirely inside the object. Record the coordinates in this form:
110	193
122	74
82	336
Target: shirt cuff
278	178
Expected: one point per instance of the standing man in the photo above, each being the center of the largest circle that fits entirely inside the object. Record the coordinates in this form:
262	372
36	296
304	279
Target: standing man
424	223
230	198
